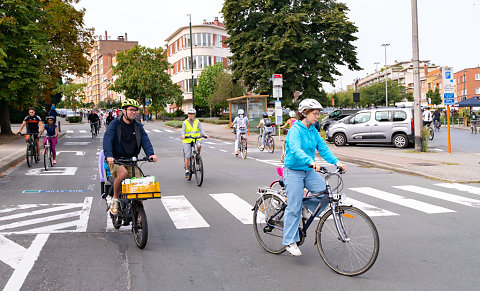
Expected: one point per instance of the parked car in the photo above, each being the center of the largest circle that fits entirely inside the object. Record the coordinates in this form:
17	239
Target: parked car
378	125
335	116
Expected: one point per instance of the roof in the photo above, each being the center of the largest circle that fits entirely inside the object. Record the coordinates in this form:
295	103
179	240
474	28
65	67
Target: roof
248	96
471	102
198	25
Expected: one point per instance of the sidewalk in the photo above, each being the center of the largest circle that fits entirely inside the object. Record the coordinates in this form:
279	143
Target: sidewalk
455	167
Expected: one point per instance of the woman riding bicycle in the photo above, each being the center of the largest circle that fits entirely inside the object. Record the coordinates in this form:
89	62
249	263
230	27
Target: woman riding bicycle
52	133
301	141
241	126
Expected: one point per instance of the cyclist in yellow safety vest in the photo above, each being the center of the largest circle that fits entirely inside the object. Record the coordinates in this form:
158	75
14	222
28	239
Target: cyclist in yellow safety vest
191	128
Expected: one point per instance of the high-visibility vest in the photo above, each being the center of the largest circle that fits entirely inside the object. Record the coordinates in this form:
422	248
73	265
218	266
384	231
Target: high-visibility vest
191	131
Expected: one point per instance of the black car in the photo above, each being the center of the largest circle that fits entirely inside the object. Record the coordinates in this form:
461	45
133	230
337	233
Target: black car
335	116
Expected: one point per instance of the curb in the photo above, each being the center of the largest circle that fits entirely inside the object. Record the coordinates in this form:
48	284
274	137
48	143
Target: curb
20	157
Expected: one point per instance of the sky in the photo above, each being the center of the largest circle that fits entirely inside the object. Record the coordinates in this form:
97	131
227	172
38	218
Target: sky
448	30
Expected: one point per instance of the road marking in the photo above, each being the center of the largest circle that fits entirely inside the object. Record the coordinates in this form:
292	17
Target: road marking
400	200
225	151
441	195
227	142
22	207
170	136
460	187
156	130
168	130
39	220
53	191
21	150
211	147
71	143
28	258
57	207
209	142
82	131
77	153
182	213
78	136
370	210
57	171
10	252
238	207
69	131
437	150
147	131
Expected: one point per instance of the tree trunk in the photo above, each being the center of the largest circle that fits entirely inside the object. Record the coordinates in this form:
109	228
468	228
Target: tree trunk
5	118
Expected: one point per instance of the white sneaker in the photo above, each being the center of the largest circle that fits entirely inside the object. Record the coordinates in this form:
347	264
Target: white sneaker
293	249
109	200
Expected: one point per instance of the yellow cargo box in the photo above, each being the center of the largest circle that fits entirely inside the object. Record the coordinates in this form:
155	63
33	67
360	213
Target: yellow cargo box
130	191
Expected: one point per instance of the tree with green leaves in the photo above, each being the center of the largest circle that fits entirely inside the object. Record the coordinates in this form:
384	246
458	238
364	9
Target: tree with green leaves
434	96
40	41
143	74
303	40
73	95
206	84
225	88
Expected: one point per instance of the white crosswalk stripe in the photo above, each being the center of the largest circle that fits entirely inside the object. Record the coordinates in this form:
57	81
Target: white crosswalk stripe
400	200
73	216
238	207
461	187
69	131
441	195
182	212
370	210
156	130
169	130
147	131
82	131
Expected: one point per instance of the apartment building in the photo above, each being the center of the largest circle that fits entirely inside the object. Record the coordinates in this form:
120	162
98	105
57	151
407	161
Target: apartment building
467	84
208	49
100	76
431	81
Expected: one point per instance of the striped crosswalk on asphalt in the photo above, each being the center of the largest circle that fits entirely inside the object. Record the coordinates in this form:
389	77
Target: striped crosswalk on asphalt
238	207
441	195
461	187
182	213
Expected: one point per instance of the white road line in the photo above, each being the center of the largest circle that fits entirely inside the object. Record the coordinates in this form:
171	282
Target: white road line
71	143
82	131
69	131
169	130
31	255
147	131
238	207
461	187
400	200
370	210
84	215
10	252
57	171
55	228
156	130
209	142
227	142
77	153
42	211
211	147
40	220
441	195
225	151
182	213
21	207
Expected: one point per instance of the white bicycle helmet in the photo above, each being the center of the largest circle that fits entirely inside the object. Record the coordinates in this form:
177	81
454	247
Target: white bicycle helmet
309	104
192	111
292	114
241	112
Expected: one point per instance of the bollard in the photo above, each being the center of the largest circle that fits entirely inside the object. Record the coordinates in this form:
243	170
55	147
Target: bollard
59	128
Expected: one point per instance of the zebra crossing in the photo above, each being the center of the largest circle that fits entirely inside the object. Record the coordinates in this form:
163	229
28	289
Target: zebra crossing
186	215
45	218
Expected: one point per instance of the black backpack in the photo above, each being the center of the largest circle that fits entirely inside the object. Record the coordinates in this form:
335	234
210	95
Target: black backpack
268	122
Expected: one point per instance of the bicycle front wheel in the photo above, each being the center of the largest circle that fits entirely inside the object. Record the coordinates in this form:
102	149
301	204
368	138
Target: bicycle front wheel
244	149
358	253
46	159
50	155
259	143
269	235
29	156
139	226
199	170
270	144
432	133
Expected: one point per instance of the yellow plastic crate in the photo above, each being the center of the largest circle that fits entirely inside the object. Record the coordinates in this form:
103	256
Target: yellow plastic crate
130	191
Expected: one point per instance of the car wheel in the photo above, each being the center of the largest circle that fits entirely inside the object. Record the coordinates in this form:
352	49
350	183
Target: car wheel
339	139
400	141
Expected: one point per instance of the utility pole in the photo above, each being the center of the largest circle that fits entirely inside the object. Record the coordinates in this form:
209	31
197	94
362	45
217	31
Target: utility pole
191	61
376	66
417	119
386	75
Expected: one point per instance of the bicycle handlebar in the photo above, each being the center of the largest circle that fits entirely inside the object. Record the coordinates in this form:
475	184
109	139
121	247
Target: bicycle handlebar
132	160
324	170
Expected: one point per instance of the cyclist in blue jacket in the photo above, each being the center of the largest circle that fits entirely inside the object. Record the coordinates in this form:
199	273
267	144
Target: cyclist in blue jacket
301	141
124	138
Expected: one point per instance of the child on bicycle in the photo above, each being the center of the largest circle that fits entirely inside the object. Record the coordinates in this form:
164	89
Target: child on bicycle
240	123
52	133
266	125
289	122
191	127
301	141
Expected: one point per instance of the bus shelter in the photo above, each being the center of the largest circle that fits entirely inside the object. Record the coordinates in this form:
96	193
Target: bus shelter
253	105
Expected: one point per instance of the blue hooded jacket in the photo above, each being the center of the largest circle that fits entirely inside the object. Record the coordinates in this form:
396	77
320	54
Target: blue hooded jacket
111	140
301	143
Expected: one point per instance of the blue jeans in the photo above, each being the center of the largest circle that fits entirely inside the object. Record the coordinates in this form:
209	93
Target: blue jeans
295	182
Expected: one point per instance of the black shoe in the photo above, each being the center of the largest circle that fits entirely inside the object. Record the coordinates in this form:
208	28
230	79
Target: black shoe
187	175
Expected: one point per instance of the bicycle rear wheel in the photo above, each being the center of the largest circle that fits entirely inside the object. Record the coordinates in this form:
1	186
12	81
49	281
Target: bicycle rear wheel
139	226
46	159
192	168
244	148
269	235
358	254
29	155
259	143
199	170
432	133
36	157
270	144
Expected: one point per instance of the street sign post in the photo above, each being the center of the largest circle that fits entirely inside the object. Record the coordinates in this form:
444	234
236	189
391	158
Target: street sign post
448	97
277	80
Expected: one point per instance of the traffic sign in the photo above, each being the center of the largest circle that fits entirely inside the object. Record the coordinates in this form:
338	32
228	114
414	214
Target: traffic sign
278	113
277	92
448	98
448	83
277	80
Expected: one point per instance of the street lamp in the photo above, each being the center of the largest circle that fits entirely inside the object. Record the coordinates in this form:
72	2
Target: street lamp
191	61
386	76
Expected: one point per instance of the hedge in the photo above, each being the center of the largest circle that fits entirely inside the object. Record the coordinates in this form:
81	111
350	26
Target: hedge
74	119
174	123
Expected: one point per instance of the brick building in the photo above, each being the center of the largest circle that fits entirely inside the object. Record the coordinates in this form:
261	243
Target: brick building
431	81
208	49
103	55
467	84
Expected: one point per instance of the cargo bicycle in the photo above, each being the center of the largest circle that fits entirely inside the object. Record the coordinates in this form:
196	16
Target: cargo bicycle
130	210
346	237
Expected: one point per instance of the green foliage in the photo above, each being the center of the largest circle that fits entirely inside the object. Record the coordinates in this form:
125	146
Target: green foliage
74	119
143	74
371	95
174	123
225	88
73	95
436	99
425	140
214	121
206	84
303	40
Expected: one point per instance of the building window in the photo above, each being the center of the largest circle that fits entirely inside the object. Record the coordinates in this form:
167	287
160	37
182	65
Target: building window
218	40
477	90
218	60
189	85
477	77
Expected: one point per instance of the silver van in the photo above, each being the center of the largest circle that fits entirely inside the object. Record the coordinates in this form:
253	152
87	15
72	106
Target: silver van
379	125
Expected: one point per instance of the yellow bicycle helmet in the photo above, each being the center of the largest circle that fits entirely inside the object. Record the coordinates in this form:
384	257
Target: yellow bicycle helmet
130	102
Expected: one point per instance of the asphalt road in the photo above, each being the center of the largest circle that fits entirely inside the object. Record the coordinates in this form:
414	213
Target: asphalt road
61	240
462	141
